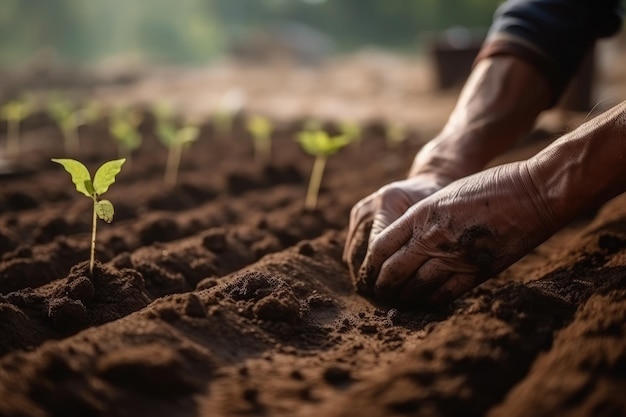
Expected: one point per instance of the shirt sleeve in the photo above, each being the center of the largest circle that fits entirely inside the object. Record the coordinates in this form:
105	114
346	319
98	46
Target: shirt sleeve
552	35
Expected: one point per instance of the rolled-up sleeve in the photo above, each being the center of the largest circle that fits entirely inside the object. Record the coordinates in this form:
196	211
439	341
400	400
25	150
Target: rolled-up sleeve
552	35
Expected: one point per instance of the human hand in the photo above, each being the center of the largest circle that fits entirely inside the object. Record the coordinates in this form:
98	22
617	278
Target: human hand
455	239
370	216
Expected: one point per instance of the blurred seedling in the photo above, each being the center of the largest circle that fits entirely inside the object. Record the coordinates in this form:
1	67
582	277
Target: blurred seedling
123	126
395	134
68	117
175	139
102	180
321	146
351	130
14	112
260	130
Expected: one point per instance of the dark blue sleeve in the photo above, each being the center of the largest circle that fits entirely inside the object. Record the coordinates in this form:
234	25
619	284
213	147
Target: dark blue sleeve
555	33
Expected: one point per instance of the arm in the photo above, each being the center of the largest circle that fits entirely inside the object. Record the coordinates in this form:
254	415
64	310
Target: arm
533	48
477	226
498	104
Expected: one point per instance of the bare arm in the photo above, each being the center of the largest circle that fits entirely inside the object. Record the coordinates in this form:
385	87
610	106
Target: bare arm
498	104
479	225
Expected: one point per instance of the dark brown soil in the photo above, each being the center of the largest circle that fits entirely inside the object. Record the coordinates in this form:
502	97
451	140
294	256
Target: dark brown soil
221	296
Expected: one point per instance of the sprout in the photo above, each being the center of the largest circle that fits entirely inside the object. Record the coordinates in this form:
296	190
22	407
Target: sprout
123	127
395	134
14	112
175	139
67	117
105	176
320	145
351	130
260	129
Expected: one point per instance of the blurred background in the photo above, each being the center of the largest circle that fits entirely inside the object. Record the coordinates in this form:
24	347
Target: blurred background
286	58
198	31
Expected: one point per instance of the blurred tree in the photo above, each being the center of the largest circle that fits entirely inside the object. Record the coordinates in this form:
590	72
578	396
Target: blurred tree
197	30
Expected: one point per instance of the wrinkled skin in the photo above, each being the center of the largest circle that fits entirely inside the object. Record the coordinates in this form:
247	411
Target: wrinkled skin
390	202
449	242
453	240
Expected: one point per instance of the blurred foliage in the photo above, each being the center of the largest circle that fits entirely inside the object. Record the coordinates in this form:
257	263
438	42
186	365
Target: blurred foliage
198	30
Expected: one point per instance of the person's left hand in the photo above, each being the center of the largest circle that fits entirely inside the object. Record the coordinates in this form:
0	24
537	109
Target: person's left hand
465	233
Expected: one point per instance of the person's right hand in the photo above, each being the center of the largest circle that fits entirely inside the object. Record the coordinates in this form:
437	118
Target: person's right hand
387	204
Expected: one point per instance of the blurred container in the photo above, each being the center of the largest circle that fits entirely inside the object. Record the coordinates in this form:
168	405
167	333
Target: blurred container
453	53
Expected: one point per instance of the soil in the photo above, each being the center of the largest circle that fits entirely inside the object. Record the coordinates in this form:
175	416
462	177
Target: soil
222	296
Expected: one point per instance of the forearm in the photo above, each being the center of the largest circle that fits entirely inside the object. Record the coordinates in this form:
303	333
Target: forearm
585	168
498	104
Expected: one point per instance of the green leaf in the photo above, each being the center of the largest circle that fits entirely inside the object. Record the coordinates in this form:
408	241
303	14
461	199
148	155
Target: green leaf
125	134
105	175
80	175
166	133
187	135
320	144
104	210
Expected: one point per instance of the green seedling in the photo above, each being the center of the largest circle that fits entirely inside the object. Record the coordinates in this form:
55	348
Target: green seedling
351	130
67	117
175	140
321	146
123	127
260	129
14	112
395	134
102	180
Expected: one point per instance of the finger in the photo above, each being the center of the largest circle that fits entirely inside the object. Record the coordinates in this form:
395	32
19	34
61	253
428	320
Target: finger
386	244
429	278
359	213
426	280
455	286
383	217
418	289
397	269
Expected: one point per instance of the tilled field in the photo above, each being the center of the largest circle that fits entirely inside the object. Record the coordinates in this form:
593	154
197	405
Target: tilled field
221	296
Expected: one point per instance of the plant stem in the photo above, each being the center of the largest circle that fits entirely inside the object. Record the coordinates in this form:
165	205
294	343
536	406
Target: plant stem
93	237
314	183
71	139
173	161
13	137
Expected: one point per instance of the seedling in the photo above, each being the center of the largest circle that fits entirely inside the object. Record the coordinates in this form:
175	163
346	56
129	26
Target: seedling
321	146
14	112
351	130
175	140
260	129
123	128
102	180
395	134
65	114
